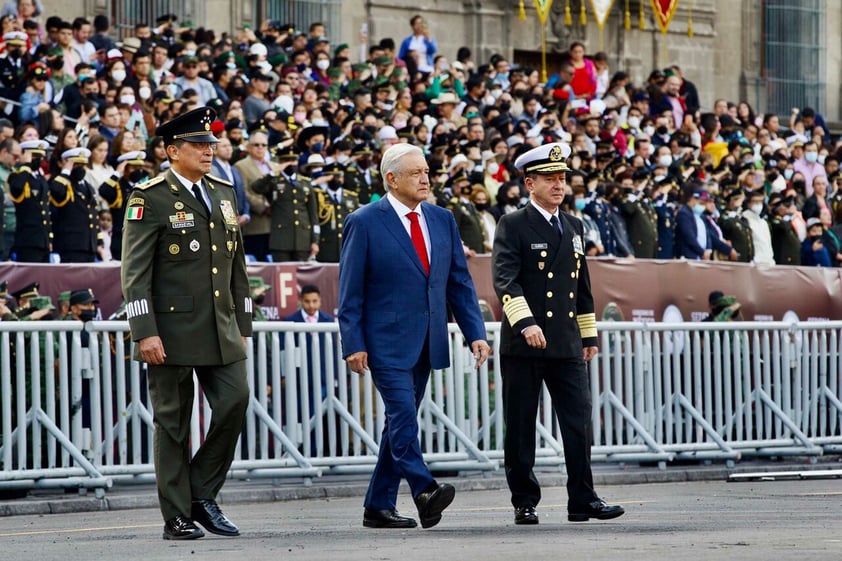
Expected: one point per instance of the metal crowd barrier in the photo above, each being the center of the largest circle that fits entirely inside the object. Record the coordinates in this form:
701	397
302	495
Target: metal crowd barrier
76	412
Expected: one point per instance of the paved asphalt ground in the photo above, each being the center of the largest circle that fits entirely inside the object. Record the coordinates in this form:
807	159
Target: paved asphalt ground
679	513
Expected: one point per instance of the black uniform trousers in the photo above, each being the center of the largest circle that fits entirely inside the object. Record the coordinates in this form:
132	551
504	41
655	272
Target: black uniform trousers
569	388
181	479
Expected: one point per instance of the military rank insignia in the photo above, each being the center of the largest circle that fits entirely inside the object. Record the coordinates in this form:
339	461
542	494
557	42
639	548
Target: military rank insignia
134	213
577	244
228	213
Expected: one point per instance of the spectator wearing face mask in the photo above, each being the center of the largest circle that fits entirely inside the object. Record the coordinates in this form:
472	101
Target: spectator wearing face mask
809	166
814	253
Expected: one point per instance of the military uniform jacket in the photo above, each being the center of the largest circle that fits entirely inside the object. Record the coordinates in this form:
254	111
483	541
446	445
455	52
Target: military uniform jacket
542	279
469	224
785	243
184	273
332	216
642	225
115	191
736	230
365	184
294	212
75	224
31	195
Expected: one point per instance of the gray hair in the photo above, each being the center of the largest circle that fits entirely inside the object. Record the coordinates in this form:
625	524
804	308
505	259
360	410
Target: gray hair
391	160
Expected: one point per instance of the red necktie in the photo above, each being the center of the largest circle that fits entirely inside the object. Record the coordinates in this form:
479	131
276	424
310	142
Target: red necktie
418	240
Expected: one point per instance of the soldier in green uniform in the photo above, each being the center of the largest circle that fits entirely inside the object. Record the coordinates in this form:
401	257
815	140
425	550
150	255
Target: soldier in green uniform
467	216
362	176
785	243
185	283
335	202
735	227
257	291
294	233
641	219
30	193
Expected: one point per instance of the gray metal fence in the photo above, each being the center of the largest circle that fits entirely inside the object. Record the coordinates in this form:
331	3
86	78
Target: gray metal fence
125	14
305	12
75	410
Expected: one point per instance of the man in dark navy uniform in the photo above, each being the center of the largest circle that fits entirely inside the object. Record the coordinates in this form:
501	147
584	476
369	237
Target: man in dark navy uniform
549	334
30	193
75	222
116	190
188	304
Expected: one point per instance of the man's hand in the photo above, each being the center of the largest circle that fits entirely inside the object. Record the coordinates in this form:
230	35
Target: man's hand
481	351
358	362
534	336
314	249
39	314
152	350
589	352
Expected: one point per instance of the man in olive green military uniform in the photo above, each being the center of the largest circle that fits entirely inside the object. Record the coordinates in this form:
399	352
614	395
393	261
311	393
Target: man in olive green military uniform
641	219
335	203
188	304
785	243
735	227
294	232
257	290
362	175
468	220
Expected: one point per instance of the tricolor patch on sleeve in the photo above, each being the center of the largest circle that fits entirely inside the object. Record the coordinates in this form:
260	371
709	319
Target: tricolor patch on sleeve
134	213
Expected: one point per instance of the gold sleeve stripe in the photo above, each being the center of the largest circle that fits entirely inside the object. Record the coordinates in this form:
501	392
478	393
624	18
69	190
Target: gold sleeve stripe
516	309
587	325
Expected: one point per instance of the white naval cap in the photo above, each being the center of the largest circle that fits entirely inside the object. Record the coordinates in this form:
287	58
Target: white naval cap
76	155
548	158
134	158
16	38
35	145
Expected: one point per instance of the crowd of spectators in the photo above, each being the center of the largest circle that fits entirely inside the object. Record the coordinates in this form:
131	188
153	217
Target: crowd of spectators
656	172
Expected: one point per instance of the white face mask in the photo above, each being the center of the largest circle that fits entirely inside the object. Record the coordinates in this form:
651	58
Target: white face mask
118	75
822	158
664	161
127	99
756	208
323	64
496	92
342	158
634	122
649	130
493	168
144	92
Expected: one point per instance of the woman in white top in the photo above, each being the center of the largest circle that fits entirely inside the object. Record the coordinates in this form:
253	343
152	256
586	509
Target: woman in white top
99	170
482	201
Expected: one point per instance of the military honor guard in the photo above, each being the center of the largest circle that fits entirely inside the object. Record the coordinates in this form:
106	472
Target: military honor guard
116	190
294	234
467	216
786	245
75	223
735	226
641	219
188	304
30	193
548	335
335	203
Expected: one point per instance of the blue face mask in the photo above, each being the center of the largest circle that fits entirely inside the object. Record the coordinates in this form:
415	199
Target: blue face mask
580	204
788	174
317	147
699	209
811	157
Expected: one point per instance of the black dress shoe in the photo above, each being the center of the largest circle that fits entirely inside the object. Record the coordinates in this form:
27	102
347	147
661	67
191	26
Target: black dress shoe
431	503
597	509
526	515
207	513
386	519
181	528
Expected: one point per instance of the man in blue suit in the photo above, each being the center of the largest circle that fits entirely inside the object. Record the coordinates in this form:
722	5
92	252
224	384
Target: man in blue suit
402	265
310	312
692	240
222	168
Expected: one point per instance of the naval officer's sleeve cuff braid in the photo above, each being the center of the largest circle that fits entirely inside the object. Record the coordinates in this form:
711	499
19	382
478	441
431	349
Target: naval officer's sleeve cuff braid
587	325
516	309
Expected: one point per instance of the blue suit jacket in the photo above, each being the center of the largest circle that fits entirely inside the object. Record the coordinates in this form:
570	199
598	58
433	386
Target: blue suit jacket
388	306
686	244
243	206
